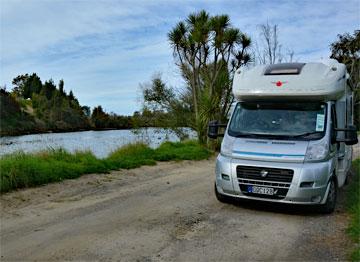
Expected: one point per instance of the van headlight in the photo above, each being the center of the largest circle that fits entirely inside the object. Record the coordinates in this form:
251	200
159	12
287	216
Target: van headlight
317	151
225	151
227	146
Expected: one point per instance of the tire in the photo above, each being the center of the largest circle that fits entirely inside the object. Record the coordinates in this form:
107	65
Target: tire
220	197
330	203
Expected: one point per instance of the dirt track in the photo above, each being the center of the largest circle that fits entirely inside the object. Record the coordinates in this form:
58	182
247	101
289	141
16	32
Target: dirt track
166	212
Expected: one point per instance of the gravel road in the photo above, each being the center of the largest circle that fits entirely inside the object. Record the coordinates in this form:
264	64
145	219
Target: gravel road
166	212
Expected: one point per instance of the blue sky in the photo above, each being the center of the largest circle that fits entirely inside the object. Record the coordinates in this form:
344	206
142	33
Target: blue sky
104	49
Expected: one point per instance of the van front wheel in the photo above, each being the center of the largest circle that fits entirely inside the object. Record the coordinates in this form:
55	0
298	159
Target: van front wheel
330	203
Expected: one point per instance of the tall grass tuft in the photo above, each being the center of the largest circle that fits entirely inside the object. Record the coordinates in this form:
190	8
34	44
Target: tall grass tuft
20	170
26	170
189	150
131	156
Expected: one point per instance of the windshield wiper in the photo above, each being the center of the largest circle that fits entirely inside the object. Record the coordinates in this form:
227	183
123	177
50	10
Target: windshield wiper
261	136
244	135
307	134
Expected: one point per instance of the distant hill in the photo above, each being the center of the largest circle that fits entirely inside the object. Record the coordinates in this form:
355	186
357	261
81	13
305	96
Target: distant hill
40	113
35	107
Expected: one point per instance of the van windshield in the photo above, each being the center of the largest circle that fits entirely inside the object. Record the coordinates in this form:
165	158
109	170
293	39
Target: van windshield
303	121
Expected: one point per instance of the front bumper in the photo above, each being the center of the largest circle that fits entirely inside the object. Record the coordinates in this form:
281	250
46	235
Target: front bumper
318	173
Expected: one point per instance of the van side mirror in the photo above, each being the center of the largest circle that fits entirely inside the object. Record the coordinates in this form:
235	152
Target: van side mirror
350	135
213	129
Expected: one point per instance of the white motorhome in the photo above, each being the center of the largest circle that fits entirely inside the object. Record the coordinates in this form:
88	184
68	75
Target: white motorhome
289	136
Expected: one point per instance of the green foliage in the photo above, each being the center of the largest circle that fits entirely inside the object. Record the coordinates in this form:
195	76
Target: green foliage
48	89
131	156
188	150
102	120
353	206
347	51
208	50
26	85
153	118
34	107
99	117
61	87
58	111
21	170
13	118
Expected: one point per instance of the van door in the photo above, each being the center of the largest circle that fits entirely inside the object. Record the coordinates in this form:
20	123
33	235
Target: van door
341	159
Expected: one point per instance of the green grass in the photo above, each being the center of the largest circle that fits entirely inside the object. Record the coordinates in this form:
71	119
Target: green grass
353	206
189	150
20	170
131	156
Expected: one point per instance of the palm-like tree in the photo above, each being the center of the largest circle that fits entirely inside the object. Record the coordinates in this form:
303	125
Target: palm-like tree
208	50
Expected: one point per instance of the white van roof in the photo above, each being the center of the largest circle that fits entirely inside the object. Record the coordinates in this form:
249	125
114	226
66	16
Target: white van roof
325	80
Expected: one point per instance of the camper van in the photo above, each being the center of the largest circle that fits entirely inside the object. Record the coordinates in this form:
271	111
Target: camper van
289	137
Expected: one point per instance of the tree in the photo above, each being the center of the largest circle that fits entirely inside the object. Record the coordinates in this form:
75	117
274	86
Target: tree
26	85
99	117
268	50
48	88
61	87
347	51
19	83
208	51
71	95
35	84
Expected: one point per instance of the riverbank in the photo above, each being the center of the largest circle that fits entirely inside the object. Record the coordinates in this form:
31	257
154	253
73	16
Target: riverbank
15	133
20	170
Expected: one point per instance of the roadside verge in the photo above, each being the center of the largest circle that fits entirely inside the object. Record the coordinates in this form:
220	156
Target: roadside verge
353	207
20	170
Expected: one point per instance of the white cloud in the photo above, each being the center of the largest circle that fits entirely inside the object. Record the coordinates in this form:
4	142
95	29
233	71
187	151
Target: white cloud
104	49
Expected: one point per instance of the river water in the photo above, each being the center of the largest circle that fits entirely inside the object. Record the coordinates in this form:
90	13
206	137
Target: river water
101	143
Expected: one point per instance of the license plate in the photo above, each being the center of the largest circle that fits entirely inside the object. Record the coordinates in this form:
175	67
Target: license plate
261	190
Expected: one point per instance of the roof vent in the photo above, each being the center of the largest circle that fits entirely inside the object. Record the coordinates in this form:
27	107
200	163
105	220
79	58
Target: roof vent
284	69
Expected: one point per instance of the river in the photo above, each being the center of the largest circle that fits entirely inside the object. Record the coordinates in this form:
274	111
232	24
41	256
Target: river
101	143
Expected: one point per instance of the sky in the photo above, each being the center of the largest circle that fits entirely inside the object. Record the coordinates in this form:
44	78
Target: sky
104	49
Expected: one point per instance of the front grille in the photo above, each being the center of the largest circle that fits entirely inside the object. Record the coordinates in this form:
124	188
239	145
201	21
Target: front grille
274	174
279	179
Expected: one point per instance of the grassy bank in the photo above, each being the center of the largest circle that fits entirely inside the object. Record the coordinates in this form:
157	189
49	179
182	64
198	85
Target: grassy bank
21	170
353	206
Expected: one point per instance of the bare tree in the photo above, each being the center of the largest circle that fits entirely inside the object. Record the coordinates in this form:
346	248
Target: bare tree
268	49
